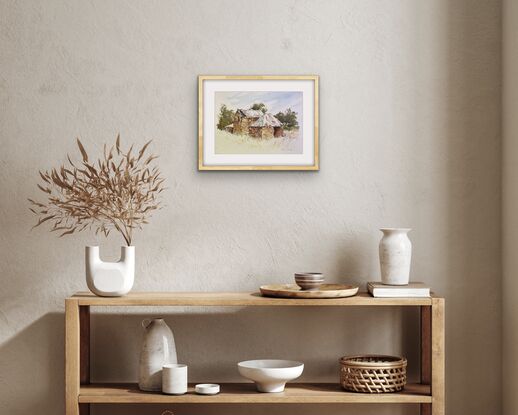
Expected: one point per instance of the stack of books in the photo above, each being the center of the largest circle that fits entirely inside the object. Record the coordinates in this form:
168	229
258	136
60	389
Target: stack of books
413	289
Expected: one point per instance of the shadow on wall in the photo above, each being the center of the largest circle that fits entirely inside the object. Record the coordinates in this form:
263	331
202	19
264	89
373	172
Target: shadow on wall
472	151
34	363
212	343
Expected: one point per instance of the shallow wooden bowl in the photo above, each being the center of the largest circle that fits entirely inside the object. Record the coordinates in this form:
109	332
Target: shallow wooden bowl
294	291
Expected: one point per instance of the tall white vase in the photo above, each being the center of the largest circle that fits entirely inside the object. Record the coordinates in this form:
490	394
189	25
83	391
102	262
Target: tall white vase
395	256
158	349
110	279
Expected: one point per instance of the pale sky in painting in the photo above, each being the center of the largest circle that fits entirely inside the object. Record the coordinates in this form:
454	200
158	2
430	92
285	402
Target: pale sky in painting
275	101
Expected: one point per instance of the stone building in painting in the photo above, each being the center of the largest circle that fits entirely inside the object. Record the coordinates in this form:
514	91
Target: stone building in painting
256	124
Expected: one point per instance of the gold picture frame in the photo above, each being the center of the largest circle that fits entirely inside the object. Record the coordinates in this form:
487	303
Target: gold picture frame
314	141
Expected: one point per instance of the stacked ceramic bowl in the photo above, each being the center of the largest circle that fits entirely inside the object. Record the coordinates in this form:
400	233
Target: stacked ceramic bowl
309	281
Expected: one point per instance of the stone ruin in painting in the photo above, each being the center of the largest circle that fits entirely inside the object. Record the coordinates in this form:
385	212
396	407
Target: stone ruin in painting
256	124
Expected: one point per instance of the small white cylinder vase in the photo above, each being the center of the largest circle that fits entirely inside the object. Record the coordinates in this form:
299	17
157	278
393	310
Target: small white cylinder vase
110	279
158	349
395	256
174	379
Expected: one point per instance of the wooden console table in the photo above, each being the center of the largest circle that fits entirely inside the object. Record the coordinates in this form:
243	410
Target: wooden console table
80	393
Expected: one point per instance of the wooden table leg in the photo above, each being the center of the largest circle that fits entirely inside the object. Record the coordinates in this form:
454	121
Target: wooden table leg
432	355
426	353
438	359
84	352
72	358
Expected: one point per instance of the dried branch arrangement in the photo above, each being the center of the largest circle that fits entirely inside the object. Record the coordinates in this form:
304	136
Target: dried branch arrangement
117	192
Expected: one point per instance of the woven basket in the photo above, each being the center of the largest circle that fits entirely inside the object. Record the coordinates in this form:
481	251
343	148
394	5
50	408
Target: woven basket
373	373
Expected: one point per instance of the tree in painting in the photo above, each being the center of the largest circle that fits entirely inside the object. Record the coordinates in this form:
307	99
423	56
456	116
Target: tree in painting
288	119
226	117
259	106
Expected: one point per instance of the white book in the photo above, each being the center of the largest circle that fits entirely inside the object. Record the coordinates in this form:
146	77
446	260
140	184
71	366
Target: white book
413	289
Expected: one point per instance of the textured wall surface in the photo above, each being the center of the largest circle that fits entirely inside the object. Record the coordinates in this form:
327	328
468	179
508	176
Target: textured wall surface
410	136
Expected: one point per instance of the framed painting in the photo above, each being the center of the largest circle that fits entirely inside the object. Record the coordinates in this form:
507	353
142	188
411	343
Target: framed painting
258	122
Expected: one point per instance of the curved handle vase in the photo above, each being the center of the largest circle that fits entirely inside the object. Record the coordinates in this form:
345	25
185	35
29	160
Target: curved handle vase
395	256
110	279
158	349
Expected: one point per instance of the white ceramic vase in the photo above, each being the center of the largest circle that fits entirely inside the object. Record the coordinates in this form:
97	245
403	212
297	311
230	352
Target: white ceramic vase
395	256
110	279
158	349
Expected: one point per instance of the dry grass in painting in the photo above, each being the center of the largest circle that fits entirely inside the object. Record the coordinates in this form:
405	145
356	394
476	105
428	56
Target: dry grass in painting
227	143
119	191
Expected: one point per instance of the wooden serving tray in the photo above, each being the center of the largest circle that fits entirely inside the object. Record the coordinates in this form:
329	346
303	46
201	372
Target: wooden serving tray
294	291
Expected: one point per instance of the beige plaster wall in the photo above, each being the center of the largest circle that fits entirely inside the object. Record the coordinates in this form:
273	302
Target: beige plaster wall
410	136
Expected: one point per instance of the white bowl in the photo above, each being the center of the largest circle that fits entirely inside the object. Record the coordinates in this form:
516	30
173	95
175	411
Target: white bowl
207	388
270	375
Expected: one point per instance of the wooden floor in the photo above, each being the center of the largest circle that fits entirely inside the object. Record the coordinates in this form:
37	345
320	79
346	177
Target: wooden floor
246	393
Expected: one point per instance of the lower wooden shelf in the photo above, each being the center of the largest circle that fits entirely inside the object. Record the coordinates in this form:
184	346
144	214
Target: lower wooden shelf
246	393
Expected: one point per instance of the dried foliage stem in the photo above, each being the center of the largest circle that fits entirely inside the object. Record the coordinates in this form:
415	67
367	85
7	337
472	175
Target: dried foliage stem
118	191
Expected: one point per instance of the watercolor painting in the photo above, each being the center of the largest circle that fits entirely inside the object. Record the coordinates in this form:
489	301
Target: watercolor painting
258	122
